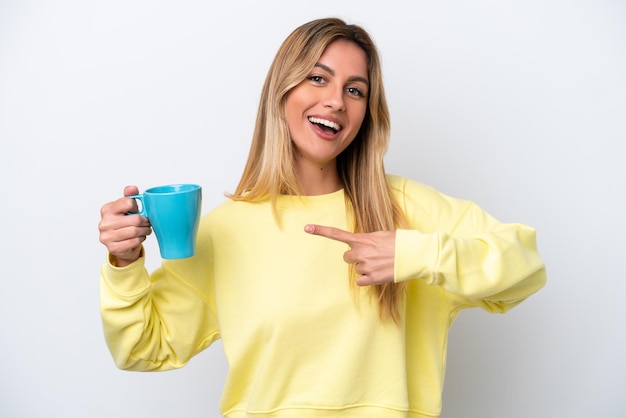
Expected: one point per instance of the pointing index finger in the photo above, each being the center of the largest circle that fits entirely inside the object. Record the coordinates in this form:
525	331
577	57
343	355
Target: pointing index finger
331	233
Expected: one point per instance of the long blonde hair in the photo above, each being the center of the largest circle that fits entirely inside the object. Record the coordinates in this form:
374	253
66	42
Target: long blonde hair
270	170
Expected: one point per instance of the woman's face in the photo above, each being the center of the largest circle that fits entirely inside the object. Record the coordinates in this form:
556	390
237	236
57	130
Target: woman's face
325	111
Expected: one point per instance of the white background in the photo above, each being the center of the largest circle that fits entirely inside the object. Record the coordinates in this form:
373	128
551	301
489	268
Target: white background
517	105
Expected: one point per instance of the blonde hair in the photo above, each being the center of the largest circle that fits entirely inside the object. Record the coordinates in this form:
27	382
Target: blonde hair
270	169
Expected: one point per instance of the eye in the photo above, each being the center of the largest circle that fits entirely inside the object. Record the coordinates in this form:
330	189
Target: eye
317	79
354	91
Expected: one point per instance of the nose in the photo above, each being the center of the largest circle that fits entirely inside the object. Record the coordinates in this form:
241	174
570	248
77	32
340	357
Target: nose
334	98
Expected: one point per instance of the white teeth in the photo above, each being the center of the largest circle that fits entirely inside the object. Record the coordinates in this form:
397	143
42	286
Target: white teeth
325	122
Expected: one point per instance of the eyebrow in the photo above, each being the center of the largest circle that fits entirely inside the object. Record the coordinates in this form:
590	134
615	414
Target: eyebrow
332	72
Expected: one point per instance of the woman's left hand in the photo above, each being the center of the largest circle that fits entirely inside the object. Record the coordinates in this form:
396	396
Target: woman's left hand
371	253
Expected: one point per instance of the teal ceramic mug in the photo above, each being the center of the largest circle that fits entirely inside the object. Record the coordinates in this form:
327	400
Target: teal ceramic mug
174	213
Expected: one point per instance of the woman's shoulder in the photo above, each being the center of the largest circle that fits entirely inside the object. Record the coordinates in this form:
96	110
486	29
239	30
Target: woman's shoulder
226	216
425	203
406	187
229	207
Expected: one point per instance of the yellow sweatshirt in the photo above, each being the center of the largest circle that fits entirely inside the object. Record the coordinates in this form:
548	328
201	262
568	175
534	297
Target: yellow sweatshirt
298	343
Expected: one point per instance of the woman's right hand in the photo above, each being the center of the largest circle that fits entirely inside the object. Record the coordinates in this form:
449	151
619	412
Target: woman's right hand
121	233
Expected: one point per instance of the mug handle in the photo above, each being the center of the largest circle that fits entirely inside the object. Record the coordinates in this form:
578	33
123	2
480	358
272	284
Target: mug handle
142	206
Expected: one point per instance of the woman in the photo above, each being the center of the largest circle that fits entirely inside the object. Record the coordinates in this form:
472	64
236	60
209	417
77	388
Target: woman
331	283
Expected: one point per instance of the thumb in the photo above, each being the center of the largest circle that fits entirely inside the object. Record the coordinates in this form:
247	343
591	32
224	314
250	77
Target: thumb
131	190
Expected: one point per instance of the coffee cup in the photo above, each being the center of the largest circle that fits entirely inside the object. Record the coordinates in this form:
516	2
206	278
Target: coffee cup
174	213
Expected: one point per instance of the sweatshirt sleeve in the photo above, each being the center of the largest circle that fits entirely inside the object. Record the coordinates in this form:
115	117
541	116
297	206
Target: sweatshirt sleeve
478	260
159	321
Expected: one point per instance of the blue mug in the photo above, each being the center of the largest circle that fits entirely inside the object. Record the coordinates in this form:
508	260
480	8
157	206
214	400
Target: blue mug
174	213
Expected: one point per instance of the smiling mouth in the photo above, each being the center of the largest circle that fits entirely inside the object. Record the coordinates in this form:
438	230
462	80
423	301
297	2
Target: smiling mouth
326	125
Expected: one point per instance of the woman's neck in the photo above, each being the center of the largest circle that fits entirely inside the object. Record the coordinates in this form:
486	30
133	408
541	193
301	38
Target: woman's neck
318	180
